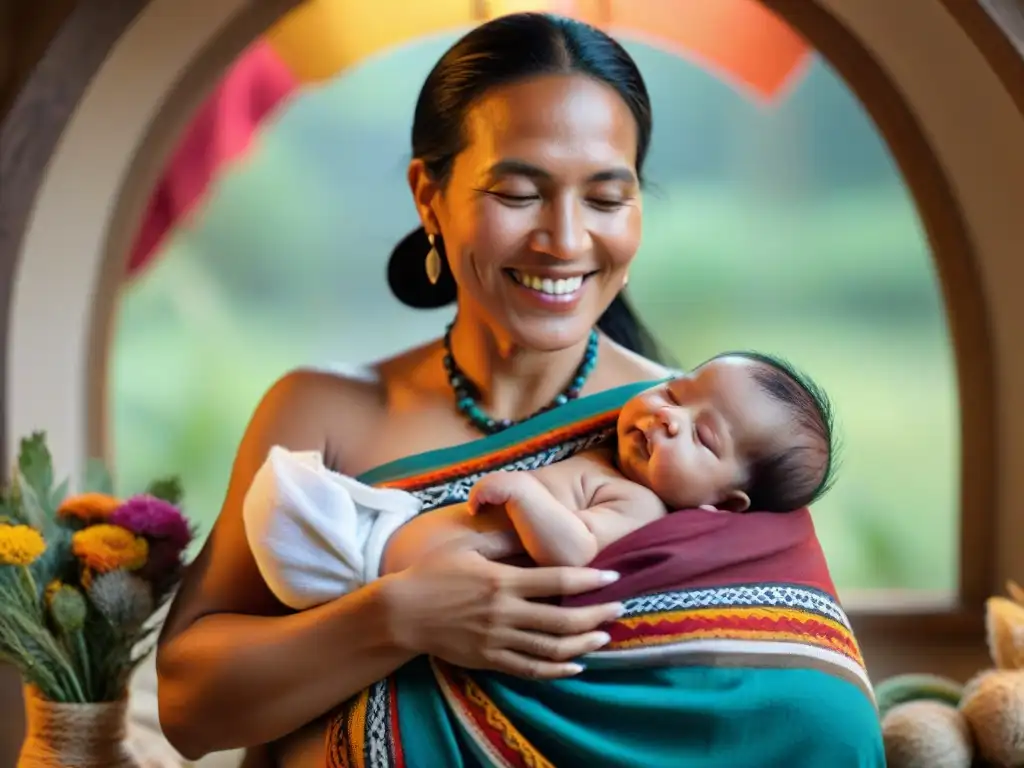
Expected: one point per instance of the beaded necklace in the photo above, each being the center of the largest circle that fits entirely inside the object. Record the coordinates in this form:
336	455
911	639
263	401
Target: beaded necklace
466	396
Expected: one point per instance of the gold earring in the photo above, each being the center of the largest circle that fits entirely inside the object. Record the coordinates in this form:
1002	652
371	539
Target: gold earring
433	263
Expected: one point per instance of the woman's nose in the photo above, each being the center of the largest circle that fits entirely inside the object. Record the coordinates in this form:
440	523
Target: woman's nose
564	232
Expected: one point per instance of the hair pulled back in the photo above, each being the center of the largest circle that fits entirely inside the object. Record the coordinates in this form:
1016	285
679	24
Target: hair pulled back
502	51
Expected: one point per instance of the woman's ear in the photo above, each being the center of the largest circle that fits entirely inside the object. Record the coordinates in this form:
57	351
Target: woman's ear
424	194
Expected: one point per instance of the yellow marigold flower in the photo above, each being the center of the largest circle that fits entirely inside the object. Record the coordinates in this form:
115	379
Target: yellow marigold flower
103	548
20	545
88	507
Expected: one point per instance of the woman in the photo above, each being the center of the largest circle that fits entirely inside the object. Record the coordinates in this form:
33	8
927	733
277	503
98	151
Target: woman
529	140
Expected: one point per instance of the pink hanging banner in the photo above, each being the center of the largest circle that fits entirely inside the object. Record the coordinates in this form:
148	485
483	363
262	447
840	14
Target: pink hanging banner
221	131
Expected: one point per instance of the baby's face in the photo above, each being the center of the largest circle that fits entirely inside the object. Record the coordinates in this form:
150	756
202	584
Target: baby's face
690	440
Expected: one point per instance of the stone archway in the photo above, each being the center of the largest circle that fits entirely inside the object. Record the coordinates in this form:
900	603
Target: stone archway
89	132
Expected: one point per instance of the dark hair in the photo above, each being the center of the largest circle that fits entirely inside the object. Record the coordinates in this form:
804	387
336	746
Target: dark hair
502	51
786	480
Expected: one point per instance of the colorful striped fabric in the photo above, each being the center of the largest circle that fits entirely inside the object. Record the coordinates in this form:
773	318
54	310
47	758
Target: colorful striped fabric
733	649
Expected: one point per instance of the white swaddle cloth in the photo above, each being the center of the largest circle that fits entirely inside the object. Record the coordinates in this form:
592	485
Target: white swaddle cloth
317	534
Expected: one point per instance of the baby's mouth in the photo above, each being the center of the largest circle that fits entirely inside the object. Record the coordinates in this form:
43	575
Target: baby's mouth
643	444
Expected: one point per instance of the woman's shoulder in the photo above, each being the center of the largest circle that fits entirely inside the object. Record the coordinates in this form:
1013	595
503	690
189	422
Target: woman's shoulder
309	389
340	402
347	385
623	366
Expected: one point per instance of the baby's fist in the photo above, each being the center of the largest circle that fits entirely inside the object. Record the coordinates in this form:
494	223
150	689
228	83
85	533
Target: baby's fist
493	490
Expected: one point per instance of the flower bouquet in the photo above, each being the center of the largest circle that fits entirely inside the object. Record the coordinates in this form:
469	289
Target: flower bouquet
81	577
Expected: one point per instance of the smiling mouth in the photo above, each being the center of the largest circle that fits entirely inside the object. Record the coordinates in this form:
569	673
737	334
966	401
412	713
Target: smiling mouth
564	287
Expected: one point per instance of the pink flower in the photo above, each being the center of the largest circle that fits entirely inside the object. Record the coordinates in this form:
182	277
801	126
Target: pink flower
154	519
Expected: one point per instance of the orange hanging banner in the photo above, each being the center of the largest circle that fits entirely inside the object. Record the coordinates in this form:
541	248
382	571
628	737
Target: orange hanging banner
740	39
320	38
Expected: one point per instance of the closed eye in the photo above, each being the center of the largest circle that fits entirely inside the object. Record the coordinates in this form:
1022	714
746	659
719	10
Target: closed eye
705	437
514	200
605	205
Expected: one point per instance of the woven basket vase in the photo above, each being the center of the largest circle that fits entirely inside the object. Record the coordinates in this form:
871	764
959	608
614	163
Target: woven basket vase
74	735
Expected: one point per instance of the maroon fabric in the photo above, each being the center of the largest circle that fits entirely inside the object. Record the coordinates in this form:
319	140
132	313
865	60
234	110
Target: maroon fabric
694	548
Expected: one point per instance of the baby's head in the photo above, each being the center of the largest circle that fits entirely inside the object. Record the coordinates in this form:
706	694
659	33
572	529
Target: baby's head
742	431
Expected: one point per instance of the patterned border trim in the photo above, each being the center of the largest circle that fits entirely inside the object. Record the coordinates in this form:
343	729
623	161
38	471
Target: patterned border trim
755	595
457	489
360	732
563	437
345	734
736	624
770	612
498	741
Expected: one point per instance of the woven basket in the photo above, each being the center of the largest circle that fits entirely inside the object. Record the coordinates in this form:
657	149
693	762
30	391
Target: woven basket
74	735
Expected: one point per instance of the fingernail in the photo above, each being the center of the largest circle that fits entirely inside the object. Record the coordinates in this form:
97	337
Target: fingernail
602	639
620	609
574	669
609	577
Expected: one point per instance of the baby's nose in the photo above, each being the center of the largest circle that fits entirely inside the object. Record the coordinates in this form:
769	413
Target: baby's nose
669	419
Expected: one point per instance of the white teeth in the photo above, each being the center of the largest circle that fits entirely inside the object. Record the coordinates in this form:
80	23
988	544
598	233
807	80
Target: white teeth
547	285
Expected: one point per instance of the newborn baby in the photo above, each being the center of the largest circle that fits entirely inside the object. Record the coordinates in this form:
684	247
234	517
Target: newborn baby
742	431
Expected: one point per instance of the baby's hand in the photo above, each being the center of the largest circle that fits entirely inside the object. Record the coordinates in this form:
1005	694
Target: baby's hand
495	490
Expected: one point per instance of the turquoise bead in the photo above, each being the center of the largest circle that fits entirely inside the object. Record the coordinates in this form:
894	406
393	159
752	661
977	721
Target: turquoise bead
467	404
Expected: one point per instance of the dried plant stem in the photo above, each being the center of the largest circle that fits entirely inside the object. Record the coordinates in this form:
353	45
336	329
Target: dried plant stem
25	658
46	643
83	663
31	588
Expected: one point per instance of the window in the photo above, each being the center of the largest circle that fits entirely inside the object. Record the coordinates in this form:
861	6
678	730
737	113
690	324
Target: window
784	228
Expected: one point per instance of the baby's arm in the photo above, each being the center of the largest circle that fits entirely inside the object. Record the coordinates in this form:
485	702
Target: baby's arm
552	532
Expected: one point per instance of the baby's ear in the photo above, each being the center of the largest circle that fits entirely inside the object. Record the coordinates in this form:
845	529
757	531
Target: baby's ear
734	501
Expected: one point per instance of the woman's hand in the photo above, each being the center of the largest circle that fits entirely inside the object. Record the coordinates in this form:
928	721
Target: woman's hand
477	614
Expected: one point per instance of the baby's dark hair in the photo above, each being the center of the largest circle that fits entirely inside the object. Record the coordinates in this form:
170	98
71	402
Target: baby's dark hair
786	480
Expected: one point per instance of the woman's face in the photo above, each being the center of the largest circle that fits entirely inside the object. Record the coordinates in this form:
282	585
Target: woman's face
541	216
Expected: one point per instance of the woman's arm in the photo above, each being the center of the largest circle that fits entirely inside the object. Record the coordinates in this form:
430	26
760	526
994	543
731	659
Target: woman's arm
451	527
235	669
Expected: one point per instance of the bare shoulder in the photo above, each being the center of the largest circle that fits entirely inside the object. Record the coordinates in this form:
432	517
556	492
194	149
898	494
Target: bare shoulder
350	404
301	406
620	366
